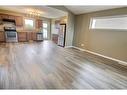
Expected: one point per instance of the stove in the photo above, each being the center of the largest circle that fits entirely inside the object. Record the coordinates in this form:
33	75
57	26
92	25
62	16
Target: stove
10	30
11	34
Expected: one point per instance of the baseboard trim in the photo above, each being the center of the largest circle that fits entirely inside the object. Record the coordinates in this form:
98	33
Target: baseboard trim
110	58
68	46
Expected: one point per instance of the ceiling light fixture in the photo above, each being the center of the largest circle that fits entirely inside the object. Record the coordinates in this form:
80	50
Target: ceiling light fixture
34	13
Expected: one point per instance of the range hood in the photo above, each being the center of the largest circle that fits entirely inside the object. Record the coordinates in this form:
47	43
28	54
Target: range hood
9	21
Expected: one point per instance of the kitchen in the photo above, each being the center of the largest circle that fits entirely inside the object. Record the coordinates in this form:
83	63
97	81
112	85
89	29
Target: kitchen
28	24
22	27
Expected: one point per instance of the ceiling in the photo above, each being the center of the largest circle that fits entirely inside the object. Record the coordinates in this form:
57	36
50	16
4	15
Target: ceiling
51	12
47	12
88	9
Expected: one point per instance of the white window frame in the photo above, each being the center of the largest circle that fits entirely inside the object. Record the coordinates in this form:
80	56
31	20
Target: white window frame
116	16
34	25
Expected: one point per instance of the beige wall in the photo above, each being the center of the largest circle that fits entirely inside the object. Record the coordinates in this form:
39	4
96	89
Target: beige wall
111	43
70	29
70	25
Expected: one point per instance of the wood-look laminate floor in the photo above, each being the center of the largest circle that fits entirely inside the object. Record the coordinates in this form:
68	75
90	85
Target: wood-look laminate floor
44	65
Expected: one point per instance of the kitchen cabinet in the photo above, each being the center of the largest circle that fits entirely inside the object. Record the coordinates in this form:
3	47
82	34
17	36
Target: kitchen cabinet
1	17
22	36
32	36
19	20
29	37
2	37
39	23
4	16
55	38
11	17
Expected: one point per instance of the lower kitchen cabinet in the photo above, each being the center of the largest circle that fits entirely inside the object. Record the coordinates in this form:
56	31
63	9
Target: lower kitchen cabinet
2	36
32	36
29	36
22	36
55	38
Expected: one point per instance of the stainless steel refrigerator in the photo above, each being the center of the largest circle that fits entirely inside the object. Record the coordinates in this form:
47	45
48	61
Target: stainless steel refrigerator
62	35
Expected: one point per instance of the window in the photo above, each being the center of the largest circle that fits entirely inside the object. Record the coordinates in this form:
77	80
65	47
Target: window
45	25
117	22
29	24
45	30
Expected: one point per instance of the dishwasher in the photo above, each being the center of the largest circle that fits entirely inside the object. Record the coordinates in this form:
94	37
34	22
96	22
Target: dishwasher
40	36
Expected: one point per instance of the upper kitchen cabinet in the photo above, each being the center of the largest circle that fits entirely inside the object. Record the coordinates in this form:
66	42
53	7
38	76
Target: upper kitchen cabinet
4	16
11	17
39	23
19	20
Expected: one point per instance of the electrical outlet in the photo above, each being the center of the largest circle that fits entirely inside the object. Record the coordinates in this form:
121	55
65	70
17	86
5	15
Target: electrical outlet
82	45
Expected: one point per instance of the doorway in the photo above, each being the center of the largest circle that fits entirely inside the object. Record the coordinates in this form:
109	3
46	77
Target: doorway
45	30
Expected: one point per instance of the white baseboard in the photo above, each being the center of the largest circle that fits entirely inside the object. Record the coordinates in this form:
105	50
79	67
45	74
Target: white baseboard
68	46
114	59
79	48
